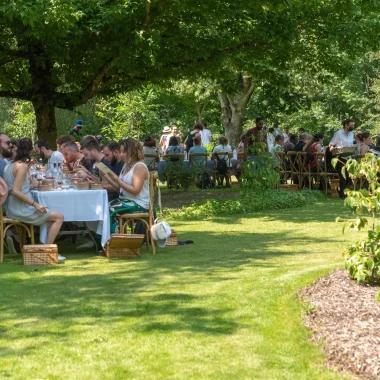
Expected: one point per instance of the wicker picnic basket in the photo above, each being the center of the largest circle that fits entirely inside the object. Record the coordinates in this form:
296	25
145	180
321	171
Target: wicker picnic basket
172	240
124	246
40	254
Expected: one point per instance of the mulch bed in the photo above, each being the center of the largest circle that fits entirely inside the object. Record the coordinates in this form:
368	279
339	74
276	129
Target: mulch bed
346	318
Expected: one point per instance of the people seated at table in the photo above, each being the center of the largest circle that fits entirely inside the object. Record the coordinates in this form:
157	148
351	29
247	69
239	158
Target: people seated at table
314	146
149	147
112	154
42	148
132	185
198	127
93	153
198	148
303	139
291	143
62	140
363	140
20	203
174	147
225	148
74	158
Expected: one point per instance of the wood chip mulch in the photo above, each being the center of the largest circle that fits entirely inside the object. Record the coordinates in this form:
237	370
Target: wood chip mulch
345	317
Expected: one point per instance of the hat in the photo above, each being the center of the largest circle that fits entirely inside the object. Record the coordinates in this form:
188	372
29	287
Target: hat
3	191
166	129
160	233
79	123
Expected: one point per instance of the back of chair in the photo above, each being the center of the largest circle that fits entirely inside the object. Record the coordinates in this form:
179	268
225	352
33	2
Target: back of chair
223	156
174	157
198	161
152	185
150	161
241	156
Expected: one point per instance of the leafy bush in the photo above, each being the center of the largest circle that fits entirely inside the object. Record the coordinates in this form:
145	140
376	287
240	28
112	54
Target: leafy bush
363	257
179	175
260	174
270	199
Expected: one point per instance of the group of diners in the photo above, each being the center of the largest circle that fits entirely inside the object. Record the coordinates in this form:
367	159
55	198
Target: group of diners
357	144
175	150
127	183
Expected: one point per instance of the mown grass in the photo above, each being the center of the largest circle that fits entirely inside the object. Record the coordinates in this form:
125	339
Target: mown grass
225	307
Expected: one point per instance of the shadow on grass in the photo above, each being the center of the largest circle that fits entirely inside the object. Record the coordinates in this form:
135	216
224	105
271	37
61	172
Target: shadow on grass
148	294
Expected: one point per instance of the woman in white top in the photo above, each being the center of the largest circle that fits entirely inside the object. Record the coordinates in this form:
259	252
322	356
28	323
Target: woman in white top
132	184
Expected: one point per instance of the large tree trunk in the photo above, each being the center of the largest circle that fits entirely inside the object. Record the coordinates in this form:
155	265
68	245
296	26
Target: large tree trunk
46	123
233	108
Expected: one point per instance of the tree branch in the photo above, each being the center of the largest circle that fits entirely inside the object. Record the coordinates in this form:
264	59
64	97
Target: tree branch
16	94
147	15
96	82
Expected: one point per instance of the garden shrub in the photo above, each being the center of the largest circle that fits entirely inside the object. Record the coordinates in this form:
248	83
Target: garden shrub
270	199
362	259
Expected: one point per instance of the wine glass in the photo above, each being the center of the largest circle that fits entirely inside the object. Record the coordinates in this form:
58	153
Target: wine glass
40	177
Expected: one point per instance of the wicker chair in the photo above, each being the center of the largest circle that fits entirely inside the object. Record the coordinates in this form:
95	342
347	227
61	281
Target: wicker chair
23	230
128	220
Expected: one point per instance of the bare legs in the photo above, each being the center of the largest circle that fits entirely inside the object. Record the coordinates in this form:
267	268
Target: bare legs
56	220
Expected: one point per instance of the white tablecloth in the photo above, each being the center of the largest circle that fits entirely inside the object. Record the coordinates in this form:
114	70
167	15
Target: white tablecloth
90	206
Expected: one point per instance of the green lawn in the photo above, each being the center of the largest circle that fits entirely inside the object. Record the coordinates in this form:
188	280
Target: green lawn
223	308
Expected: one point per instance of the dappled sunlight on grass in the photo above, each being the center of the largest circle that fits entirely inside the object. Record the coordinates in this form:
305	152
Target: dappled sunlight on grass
222	307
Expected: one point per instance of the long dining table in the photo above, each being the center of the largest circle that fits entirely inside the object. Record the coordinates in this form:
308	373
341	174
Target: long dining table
87	206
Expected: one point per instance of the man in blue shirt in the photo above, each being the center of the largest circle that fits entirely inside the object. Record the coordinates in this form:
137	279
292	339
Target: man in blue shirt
5	151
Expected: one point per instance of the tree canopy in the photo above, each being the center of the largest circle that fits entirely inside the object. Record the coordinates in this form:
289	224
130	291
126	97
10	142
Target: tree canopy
62	53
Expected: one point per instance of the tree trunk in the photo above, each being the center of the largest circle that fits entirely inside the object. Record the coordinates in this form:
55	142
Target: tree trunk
233	108
46	123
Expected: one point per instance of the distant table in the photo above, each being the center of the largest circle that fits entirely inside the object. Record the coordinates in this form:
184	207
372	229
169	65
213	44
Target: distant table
161	165
88	206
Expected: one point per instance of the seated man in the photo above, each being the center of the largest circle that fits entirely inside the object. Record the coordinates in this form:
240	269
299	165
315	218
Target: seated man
73	157
198	148
112	154
41	147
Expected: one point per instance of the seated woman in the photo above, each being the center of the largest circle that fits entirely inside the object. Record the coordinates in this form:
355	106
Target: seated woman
149	147
132	184
198	148
20	204
364	140
314	146
174	146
